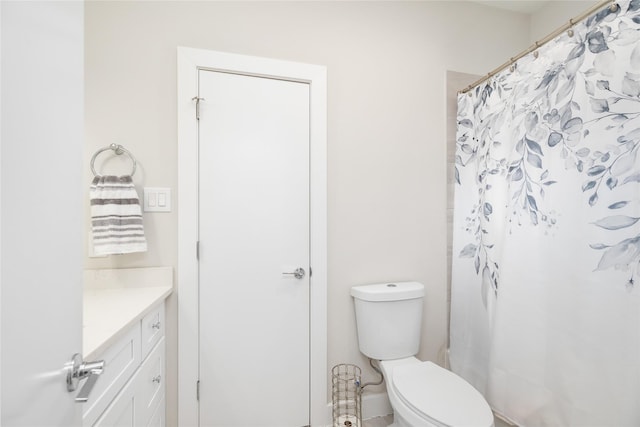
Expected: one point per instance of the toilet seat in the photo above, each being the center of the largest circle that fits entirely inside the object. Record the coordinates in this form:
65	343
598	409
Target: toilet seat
440	396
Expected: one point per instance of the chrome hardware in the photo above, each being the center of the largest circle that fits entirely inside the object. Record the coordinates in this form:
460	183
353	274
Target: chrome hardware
118	150
83	396
78	370
298	273
197	99
156	325
156	379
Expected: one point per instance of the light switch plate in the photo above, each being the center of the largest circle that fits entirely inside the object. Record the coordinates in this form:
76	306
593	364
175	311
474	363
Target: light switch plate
157	199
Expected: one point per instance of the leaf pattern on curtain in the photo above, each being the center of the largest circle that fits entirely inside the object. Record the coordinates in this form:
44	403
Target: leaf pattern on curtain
550	129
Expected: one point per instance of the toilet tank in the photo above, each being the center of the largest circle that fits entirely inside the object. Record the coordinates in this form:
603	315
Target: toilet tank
389	319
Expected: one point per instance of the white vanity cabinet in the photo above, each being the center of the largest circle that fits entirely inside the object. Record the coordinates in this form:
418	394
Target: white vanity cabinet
122	359
131	389
141	398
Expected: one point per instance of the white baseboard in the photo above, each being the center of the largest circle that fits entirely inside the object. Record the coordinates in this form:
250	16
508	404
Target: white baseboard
373	405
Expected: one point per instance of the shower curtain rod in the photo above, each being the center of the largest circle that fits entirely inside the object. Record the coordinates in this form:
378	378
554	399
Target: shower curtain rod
612	4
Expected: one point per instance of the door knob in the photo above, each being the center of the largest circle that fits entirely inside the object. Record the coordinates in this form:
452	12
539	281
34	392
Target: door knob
78	370
298	273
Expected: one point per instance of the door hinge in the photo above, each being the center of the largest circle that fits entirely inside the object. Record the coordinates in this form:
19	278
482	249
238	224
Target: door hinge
197	99
310	271
198	390
198	250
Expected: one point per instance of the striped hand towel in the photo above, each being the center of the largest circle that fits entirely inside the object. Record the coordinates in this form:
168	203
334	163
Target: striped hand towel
116	217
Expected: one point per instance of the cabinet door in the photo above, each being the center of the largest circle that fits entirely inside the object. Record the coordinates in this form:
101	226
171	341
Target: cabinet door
122	411
121	361
141	401
158	418
150	384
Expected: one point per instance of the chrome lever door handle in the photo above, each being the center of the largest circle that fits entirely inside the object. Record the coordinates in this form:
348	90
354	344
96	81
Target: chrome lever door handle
91	368
298	273
78	370
83	396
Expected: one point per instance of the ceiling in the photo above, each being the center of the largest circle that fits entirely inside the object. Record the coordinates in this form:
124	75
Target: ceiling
522	6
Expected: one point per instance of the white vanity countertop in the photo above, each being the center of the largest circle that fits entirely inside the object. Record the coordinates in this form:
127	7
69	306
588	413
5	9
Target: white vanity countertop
109	312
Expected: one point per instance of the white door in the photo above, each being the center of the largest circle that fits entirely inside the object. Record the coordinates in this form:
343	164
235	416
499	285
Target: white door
42	210
254	234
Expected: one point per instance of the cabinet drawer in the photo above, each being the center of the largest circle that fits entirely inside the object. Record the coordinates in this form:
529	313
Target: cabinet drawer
152	329
121	361
150	381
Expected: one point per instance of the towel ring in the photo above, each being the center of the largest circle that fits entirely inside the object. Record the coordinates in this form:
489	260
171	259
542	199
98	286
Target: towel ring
118	149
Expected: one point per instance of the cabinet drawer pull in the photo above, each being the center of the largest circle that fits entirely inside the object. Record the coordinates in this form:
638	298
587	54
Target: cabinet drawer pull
156	325
156	379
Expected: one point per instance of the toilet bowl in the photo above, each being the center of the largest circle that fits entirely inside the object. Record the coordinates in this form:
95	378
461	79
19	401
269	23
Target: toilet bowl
422	394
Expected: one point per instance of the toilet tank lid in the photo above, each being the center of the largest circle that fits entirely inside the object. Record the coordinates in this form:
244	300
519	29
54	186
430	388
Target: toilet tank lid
390	291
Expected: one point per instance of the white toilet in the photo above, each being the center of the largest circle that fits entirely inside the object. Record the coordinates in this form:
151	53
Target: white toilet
422	394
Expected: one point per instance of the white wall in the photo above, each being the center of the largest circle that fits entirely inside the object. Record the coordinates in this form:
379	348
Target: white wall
387	64
554	15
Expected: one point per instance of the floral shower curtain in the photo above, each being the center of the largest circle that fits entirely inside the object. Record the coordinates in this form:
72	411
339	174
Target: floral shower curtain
545	312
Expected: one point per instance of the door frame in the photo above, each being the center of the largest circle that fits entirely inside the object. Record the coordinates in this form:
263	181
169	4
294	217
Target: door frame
190	61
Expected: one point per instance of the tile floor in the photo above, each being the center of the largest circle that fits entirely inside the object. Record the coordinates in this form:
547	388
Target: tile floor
388	419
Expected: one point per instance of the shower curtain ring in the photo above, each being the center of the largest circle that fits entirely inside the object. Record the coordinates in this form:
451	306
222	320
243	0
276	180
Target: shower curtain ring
570	30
